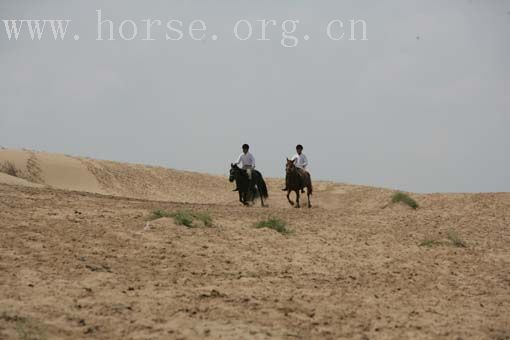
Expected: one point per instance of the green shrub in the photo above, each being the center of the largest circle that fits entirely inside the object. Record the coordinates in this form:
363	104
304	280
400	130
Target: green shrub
404	198
184	217
275	224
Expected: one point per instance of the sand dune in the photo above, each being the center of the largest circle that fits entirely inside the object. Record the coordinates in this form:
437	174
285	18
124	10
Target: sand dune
114	178
158	183
12	180
80	258
55	170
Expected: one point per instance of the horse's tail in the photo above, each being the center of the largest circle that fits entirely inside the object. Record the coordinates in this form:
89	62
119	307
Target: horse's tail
262	187
309	184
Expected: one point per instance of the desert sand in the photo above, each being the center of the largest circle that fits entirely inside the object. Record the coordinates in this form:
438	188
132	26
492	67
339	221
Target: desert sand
81	258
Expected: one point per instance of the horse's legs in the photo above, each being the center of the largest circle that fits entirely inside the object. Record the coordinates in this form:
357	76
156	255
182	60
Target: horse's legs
297	199
245	198
288	198
248	198
251	198
308	195
261	198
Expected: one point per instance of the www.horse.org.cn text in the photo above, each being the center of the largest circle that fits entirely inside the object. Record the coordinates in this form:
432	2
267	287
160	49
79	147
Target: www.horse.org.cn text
286	31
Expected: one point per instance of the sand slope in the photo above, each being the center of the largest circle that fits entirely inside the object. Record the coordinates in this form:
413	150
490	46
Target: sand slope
12	180
59	171
158	183
114	178
84	265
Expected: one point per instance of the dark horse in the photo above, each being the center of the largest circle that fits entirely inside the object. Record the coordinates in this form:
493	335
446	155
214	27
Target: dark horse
247	192
297	180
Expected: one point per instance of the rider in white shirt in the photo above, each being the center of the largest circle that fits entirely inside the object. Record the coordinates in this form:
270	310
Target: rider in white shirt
247	161
300	161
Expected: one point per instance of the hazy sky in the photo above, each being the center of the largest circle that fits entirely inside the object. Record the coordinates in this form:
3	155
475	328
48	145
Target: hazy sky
423	105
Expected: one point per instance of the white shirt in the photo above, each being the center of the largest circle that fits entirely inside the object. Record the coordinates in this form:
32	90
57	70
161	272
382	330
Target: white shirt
246	159
300	161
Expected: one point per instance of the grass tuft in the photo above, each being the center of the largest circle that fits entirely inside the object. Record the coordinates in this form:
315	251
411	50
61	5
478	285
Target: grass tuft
205	218
184	217
453	240
26	328
404	198
275	224
456	240
29	330
160	214
430	243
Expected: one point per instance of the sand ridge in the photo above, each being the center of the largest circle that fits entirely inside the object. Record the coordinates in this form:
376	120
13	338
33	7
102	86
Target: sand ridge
158	183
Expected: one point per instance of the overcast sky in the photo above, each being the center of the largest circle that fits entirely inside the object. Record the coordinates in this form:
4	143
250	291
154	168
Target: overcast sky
423	105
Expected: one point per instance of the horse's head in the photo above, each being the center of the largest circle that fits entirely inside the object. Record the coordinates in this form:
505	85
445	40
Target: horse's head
234	170
290	166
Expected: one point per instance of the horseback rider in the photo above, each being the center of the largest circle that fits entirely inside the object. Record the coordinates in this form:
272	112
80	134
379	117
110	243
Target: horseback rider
300	162
248	162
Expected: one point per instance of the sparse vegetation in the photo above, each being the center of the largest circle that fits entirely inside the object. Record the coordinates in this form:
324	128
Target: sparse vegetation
275	224
29	330
456	240
184	217
404	198
205	218
430	243
26	328
9	168
453	240
160	214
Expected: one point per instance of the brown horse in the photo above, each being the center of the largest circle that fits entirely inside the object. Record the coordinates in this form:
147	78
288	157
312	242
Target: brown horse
296	180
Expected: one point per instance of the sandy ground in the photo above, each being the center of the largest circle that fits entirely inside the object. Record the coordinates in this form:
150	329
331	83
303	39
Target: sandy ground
79	261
